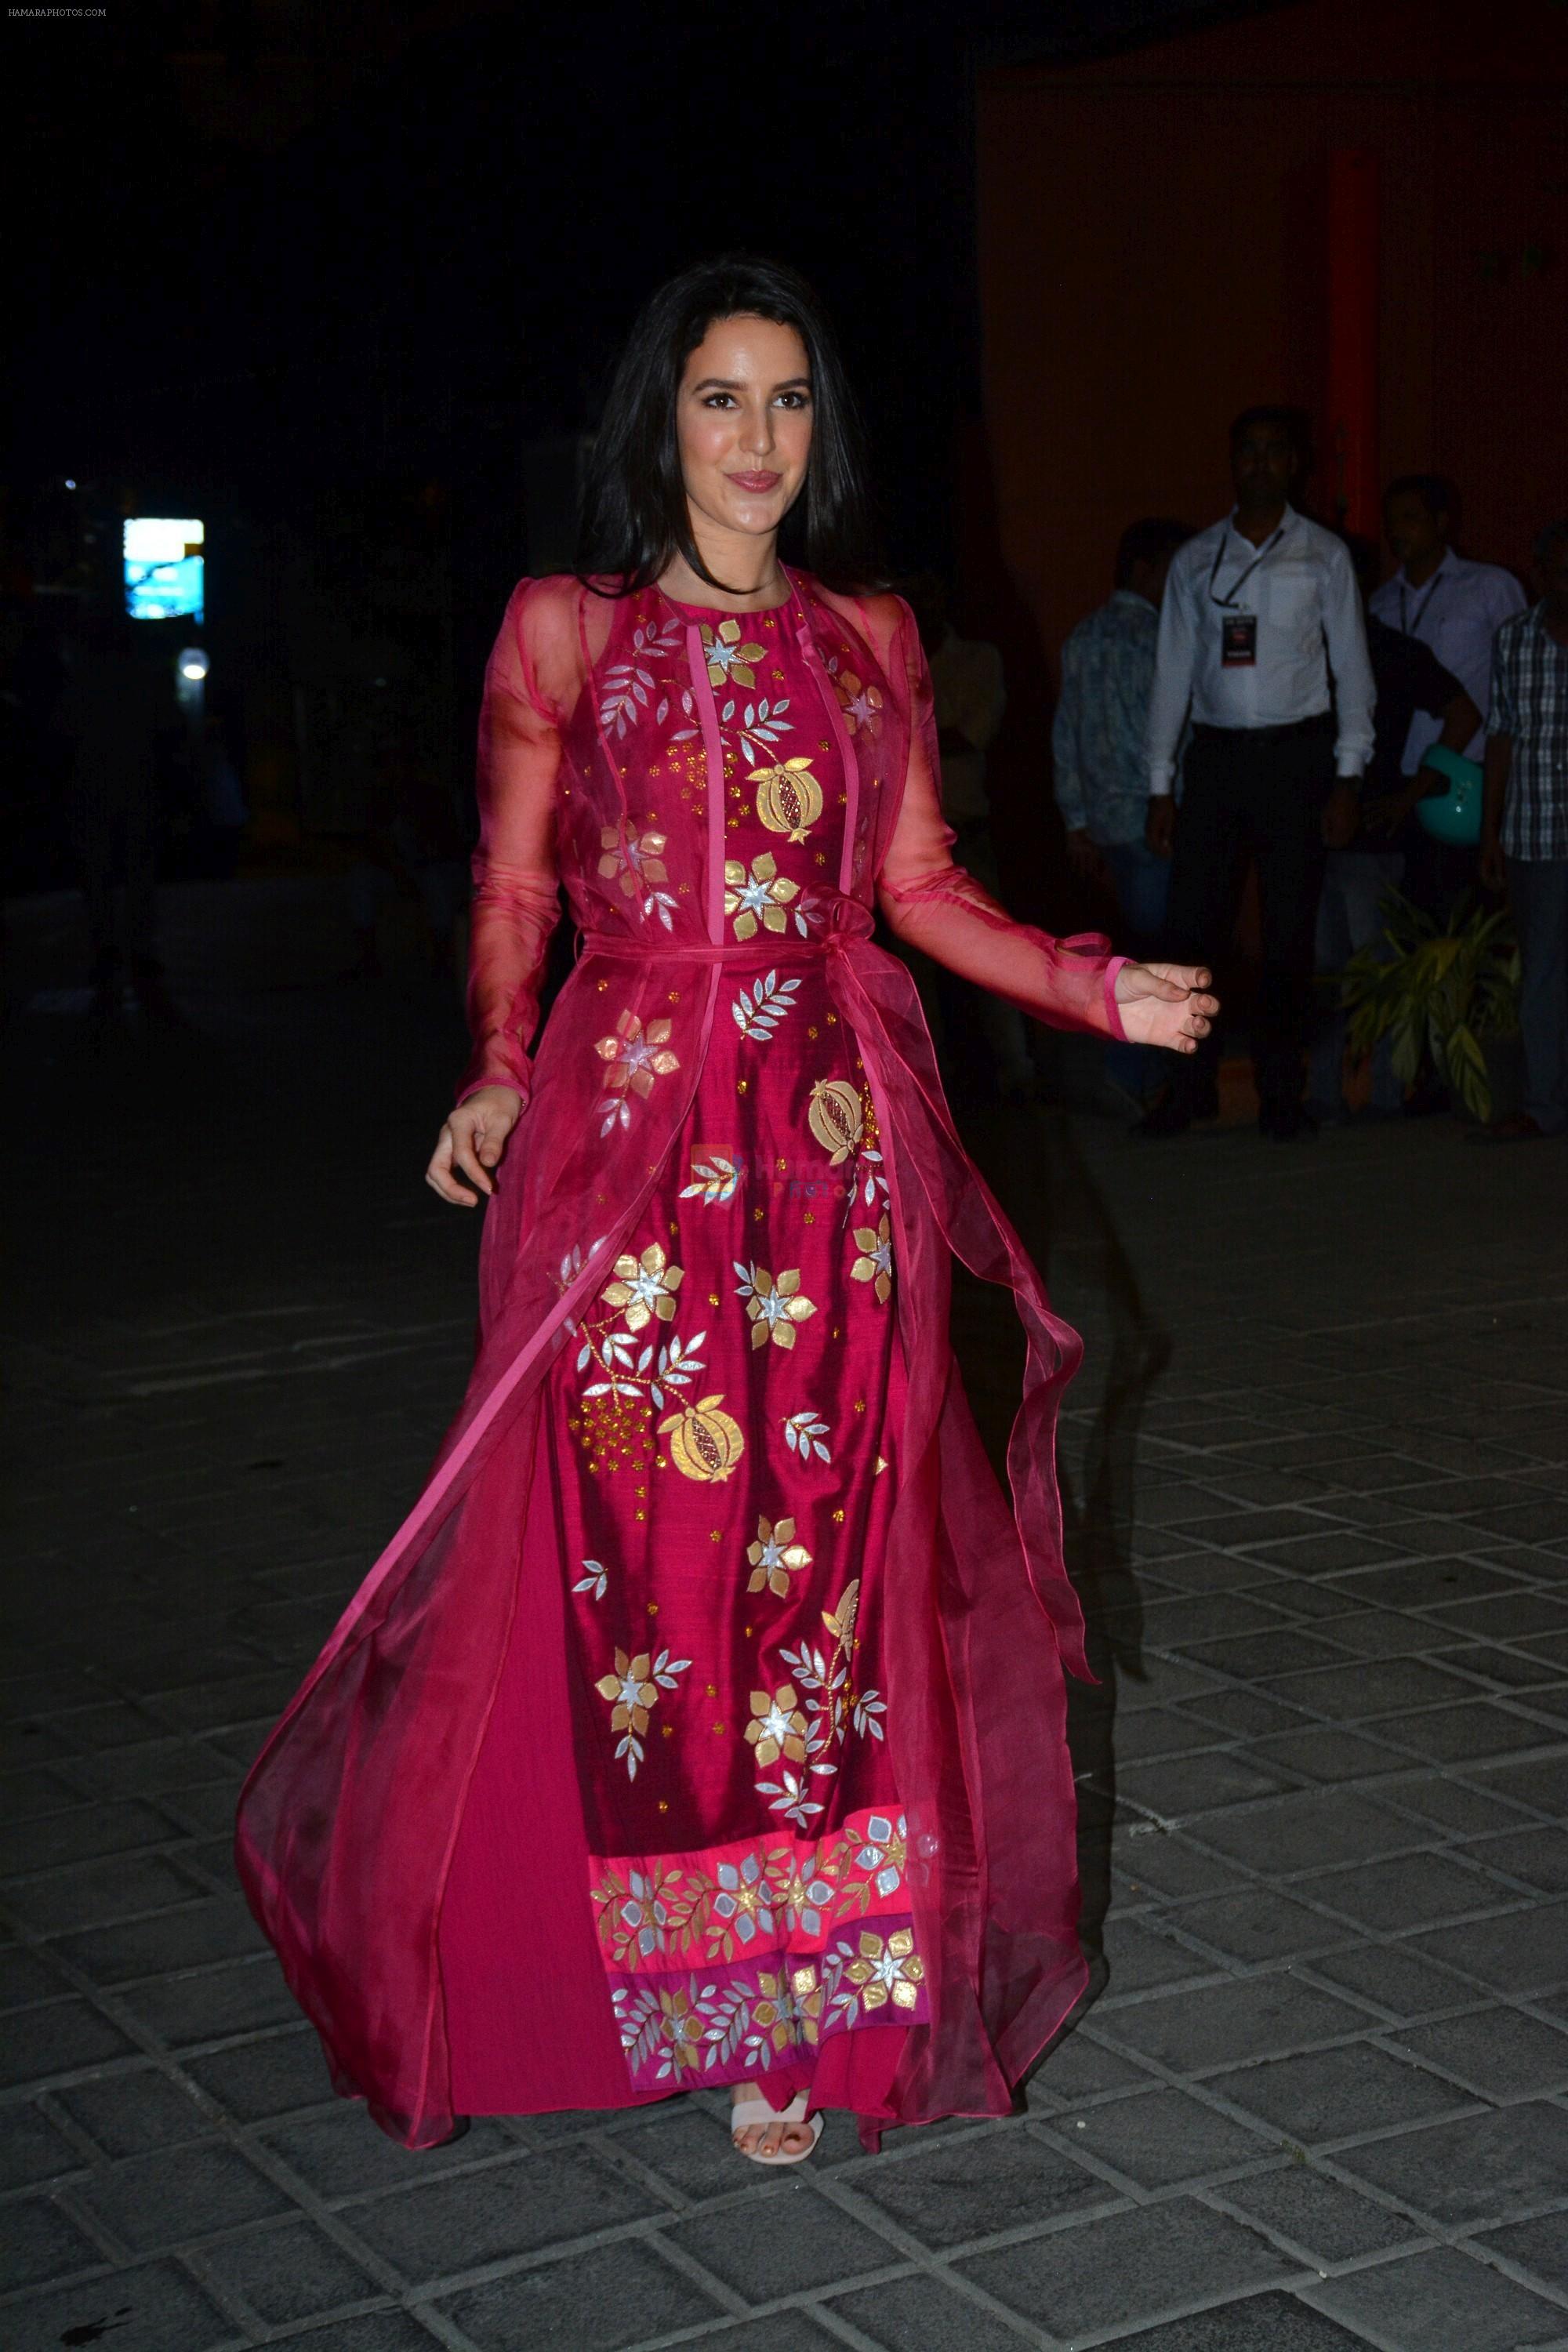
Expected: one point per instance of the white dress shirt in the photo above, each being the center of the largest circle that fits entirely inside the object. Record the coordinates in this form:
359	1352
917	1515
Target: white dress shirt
1310	645
1457	612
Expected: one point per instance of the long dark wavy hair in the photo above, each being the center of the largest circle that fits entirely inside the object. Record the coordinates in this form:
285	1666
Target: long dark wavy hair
634	515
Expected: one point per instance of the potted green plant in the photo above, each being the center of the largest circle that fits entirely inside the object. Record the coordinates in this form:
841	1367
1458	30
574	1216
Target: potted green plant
1441	989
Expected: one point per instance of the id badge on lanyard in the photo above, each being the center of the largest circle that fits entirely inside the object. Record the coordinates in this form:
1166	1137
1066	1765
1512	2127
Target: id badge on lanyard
1238	641
1238	630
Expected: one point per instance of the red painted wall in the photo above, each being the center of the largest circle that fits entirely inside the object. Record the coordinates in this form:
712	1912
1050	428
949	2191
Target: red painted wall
1156	254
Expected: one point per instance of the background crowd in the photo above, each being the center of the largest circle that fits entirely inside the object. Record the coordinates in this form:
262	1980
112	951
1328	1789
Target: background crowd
1249	702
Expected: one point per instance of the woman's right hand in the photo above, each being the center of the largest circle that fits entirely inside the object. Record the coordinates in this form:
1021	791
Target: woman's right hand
473	1140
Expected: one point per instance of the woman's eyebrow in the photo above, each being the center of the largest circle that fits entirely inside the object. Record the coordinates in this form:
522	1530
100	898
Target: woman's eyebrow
732	383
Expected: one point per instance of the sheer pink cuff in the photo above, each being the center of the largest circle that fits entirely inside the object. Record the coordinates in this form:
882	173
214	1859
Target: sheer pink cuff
1113	1021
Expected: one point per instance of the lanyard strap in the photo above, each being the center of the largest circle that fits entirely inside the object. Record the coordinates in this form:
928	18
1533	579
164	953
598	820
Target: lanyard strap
1236	586
1409	627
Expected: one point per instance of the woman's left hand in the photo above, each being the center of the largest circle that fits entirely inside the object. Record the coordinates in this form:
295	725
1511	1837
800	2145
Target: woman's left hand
1165	1004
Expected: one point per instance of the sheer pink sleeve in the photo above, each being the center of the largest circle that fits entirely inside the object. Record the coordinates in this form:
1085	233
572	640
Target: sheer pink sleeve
516	904
932	904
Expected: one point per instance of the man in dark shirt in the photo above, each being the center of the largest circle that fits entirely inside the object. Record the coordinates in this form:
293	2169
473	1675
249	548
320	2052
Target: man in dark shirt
1408	678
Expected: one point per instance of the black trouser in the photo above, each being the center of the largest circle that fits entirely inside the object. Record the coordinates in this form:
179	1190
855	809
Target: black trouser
1256	792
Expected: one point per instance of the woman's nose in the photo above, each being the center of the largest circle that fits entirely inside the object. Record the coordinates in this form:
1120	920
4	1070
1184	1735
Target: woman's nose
757	432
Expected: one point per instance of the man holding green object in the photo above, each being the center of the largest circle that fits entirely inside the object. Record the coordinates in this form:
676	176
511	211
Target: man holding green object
1524	833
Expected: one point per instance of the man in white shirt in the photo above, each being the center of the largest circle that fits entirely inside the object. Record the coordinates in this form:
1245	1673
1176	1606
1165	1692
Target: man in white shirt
1261	639
1453	606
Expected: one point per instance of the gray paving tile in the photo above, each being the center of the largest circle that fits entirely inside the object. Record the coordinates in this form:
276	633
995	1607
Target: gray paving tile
97	1892
1542	1783
1330	1755
272	2076
1469	1736
26	1977
913	2314
1162	1863
1141	1957
978	2186
1162	2137
1538	1856
218	1929
1500	2052
39	2243
288	2273
1128	2265
342	2154
1276	2321
1317	2217
1410	1890
620	2294
444	2226
380	2331
32	2150
807	2243
131	2114
1223	2024
1082	2068
85	1833
1255	1657
1442	2297
1539	2247
40	2042
156	2203
184	2009
1186	1788
1312	1829
1361	1693
1522	1952
1260	1923
1479	2168
1327	2094
153	2308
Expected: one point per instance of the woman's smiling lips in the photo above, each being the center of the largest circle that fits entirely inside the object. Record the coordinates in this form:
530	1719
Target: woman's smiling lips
755	483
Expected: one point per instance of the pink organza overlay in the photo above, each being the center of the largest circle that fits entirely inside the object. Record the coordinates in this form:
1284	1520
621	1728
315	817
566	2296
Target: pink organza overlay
354	1811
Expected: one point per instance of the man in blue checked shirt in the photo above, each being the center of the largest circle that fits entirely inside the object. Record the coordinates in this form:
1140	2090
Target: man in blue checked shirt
1096	745
1524	833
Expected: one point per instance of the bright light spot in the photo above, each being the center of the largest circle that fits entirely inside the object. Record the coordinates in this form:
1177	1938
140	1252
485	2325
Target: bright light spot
193	663
70	484
163	567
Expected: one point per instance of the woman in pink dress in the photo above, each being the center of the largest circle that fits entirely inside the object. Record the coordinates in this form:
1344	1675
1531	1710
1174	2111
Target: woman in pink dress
705	1721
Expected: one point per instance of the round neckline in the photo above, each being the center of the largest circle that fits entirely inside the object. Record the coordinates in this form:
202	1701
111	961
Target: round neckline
728	612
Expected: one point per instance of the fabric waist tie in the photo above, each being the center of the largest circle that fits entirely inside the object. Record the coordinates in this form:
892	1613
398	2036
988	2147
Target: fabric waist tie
851	925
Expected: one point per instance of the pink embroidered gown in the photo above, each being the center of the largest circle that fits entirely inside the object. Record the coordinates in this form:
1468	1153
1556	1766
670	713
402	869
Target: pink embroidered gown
705	1720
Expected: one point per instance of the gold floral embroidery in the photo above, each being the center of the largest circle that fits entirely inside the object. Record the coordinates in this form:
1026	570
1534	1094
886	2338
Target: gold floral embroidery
775	1557
729	657
777	1727
634	1687
636	859
636	1056
859	703
875	1263
789	798
614	1419
836	1118
886	1969
705	1442
760	896
645	1287
775	1308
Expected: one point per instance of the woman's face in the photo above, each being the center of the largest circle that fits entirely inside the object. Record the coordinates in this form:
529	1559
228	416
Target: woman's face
744	419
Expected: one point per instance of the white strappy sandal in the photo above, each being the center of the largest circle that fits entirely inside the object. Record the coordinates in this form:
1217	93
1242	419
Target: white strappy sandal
746	2113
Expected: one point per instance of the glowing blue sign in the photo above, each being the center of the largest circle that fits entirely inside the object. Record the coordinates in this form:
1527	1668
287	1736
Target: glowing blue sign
165	568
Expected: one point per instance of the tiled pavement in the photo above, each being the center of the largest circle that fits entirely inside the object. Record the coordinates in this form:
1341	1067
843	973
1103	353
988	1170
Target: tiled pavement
1318	1499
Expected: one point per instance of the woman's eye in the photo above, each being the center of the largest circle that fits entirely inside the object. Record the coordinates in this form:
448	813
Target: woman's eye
719	400
794	400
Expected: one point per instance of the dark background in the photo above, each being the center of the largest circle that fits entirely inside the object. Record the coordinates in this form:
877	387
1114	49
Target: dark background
347	282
